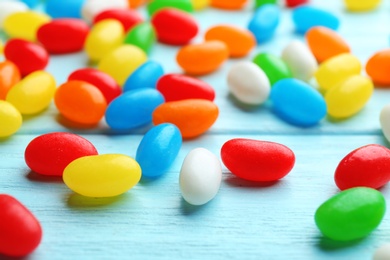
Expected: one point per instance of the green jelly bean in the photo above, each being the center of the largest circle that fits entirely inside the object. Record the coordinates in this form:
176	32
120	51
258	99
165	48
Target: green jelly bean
184	5
259	3
274	67
142	35
351	214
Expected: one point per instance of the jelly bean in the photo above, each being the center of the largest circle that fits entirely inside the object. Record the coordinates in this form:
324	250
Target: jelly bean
64	9
367	166
385	121
136	3
9	76
273	66
248	83
239	41
229	5
295	3
21	232
104	82
264	22
349	97
297	102
103	38
142	35
378	67
133	109
336	70
256	160
31	3
91	8
351	214
104	175
202	58
306	17
200	176
145	76
382	253
10	119
128	18
24	25
325	43
80	102
9	7
361	6
176	87
33	94
28	56
63	36
200	4
192	116
174	26
259	3
300	60
158	150
122	61
49	154
155	5
1	47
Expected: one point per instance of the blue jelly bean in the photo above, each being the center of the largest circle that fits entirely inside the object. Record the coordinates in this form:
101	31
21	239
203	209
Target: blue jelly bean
31	3
133	109
158	149
264	22
145	76
306	17
64	9
297	103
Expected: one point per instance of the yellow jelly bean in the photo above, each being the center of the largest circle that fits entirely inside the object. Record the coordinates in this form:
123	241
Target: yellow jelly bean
361	5
104	37
348	97
200	4
32	94
1	47
24	25
10	119
104	175
337	69
122	61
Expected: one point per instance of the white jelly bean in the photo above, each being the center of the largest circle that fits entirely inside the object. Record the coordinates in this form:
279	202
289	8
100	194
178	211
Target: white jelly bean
248	83
385	121
382	253
200	176
8	7
93	7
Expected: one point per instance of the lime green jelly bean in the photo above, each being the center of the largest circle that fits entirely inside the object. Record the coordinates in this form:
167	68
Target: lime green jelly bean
274	67
259	3
33	94
155	5
351	214
104	175
10	119
337	69
142	35
348	97
104	37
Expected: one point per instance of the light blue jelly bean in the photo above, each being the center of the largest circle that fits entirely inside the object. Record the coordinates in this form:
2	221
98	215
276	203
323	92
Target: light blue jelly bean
145	76
133	109
306	17
64	9
158	150
264	22
297	103
31	3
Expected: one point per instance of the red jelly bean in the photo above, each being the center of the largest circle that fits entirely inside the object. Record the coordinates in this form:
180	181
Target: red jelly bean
20	231
28	56
174	26
176	87
128	18
104	82
9	76
295	3
49	154
257	160
62	36
367	166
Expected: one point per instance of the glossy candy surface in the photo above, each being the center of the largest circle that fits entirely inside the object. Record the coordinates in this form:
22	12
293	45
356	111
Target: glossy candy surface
64	9
92	8
378	67
295	3
273	66
142	35
10	119
9	7
229	5
259	3
361	6
128	18
145	76
265	22
155	5
306	17
200	4
9	76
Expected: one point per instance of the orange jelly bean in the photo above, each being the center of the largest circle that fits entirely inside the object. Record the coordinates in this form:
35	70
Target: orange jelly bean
202	58
9	76
193	117
239	41
80	102
378	68
325	43
135	3
230	4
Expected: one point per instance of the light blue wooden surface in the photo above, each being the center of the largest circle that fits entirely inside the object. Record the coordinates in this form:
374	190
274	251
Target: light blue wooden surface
246	220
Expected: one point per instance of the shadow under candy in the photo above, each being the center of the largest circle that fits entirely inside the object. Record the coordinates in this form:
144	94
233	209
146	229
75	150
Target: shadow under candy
234	181
189	209
327	244
75	200
36	177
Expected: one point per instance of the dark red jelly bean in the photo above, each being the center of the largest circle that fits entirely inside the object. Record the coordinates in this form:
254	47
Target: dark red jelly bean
27	56
176	87
174	26
128	18
257	160
49	154
295	3
63	36
20	231
367	166
104	82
